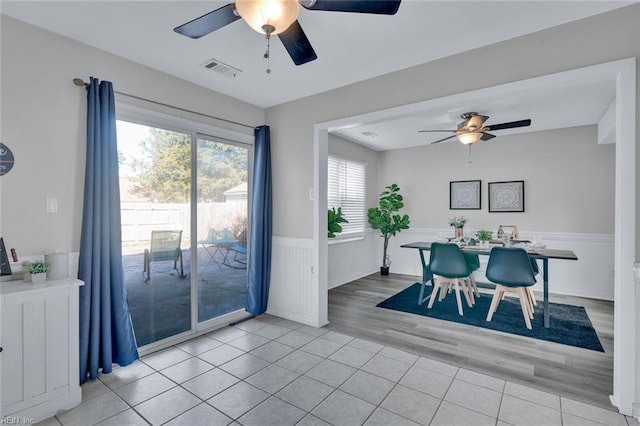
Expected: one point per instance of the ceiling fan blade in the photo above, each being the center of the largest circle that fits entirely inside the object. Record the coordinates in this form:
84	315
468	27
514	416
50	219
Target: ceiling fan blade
297	44
427	131
487	136
208	23
509	125
443	139
380	7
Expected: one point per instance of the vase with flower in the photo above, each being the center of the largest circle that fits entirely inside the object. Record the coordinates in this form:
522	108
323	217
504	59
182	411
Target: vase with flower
458	223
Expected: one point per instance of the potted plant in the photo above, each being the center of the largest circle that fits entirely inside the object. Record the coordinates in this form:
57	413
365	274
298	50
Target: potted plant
386	219
484	236
38	271
335	218
458	223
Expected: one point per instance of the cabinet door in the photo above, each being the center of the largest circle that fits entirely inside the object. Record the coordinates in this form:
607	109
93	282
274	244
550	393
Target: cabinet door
35	332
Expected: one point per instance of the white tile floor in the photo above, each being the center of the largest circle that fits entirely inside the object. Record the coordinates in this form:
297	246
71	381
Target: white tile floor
269	371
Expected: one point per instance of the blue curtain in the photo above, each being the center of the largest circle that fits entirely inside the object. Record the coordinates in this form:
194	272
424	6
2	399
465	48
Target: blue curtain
106	331
260	233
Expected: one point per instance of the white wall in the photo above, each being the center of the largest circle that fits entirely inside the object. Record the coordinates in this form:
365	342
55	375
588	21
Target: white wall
43	123
568	180
353	258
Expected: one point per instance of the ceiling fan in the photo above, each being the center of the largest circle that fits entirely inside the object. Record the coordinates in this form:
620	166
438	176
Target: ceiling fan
473	129
279	17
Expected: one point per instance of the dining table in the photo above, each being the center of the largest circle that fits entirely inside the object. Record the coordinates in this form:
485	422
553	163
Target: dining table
543	254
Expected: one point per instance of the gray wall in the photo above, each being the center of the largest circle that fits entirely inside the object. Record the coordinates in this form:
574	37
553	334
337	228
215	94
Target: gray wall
346	149
569	180
43	123
603	38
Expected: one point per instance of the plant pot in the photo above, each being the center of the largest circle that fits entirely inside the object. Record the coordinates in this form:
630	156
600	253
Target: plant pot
459	232
384	270
39	278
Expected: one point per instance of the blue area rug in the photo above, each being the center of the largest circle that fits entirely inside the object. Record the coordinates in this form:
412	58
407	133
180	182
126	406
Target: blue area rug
570	325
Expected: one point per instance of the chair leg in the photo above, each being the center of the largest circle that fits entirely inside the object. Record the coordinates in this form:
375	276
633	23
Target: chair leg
524	304
524	293
472	282
530	301
533	296
434	292
458	299
497	297
444	289
468	295
466	283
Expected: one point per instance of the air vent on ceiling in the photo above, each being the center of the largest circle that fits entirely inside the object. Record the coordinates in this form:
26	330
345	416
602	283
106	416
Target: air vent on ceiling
221	68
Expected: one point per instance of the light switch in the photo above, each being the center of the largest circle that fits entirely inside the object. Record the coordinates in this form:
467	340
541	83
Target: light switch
52	205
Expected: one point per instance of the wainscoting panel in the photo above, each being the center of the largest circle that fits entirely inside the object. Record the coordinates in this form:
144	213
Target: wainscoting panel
351	259
592	275
291	294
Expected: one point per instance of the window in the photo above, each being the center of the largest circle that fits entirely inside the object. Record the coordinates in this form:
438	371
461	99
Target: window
346	188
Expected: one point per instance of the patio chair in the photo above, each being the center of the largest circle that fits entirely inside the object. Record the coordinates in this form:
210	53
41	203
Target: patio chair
217	243
240	249
165	245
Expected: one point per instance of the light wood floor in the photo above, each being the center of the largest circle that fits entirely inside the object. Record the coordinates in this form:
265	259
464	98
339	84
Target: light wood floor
575	373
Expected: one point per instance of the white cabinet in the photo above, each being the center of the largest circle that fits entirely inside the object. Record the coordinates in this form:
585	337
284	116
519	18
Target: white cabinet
39	365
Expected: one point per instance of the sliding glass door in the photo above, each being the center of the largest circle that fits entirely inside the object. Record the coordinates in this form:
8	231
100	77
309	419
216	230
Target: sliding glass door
155	199
184	226
222	205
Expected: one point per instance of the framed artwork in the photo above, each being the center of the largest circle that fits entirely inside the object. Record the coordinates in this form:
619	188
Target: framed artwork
464	195
506	196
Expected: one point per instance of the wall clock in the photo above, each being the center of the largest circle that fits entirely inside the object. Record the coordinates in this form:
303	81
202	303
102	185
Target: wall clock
6	159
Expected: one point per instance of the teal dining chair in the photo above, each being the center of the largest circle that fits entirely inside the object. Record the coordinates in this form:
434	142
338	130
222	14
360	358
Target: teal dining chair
447	263
473	262
532	297
511	270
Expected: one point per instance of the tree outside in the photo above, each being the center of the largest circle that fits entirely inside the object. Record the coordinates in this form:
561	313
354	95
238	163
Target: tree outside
162	171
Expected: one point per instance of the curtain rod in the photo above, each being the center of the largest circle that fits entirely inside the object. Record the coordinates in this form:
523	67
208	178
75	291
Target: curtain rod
81	83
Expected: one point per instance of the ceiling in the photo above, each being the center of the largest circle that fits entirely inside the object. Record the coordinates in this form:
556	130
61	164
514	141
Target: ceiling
575	103
351	47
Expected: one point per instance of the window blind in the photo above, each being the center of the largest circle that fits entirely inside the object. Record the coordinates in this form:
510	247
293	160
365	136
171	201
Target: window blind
346	188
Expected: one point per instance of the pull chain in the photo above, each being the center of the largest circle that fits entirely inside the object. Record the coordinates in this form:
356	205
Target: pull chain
470	154
267	56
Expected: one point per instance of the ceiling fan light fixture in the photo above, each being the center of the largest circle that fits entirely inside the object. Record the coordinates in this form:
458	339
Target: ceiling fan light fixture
268	16
469	138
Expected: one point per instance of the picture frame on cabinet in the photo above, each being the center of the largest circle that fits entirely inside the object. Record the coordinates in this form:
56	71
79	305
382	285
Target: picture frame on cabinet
5	266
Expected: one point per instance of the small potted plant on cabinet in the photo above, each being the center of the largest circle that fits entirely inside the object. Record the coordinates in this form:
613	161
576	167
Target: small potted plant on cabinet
484	236
38	271
335	218
386	219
